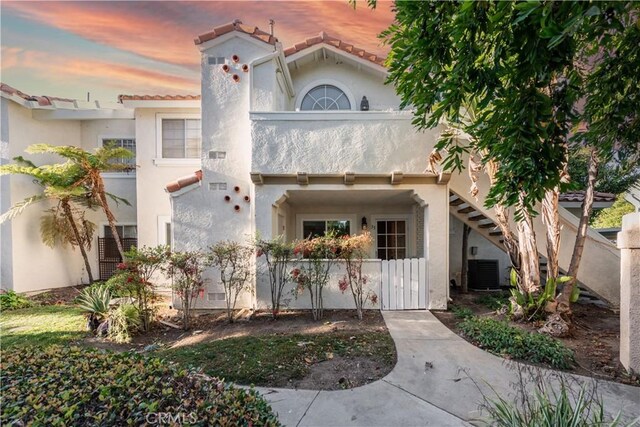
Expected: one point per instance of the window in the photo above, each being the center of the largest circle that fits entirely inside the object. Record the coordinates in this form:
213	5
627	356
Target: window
125	231
392	239
181	138
319	228
325	97
129	144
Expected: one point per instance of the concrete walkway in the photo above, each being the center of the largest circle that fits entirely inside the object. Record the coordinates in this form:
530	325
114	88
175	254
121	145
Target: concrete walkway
435	382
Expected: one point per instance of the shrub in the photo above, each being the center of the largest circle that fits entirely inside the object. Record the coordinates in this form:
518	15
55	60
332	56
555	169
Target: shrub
318	255
549	400
95	300
60	386
234	263
134	279
278	255
122	321
461	312
353	250
186	270
500	338
11	300
493	302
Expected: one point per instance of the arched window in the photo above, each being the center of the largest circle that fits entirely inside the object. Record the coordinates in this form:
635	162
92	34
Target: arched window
325	97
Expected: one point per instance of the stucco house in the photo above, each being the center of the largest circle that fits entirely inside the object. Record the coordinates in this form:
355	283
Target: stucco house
282	141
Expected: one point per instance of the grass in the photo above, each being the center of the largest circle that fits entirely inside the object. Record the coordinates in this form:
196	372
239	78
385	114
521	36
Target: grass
41	326
274	359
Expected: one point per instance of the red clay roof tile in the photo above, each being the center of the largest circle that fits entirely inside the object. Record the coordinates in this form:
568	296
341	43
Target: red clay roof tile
337	43
43	101
158	98
236	25
578	196
185	181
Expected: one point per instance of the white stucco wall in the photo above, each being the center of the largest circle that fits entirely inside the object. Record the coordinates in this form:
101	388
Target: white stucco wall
353	81
319	142
152	176
486	250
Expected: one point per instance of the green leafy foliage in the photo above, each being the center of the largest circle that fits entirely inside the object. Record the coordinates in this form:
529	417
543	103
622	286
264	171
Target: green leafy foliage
545	404
11	300
134	279
532	305
461	312
61	386
123	320
493	301
95	300
612	216
500	338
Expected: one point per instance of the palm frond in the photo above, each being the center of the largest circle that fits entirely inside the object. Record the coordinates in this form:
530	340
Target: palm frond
19	207
117	199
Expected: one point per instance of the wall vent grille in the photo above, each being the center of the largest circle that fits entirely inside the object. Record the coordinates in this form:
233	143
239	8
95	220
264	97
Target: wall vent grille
213	186
215	60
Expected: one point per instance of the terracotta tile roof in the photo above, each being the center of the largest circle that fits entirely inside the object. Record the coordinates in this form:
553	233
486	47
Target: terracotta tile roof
578	196
337	43
236	25
185	181
158	98
42	100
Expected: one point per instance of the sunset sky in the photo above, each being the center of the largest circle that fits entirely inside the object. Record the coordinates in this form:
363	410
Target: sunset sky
109	48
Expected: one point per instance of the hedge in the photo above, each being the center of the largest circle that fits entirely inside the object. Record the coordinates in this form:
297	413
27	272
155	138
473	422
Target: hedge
60	386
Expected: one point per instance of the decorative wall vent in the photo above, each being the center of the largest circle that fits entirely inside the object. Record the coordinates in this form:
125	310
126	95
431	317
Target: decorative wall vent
235	58
216	60
217	154
216	296
217	186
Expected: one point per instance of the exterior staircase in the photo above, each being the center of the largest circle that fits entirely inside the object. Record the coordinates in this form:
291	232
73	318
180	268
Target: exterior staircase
599	270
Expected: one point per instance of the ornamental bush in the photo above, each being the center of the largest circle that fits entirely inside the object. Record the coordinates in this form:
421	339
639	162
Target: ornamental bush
500	338
60	386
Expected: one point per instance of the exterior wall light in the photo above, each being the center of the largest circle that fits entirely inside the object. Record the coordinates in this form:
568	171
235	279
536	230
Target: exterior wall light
474	250
364	223
364	104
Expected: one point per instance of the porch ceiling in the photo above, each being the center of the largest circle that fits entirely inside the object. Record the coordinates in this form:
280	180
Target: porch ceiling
351	197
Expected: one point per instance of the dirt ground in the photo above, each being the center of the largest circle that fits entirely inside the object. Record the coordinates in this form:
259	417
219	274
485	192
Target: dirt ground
595	340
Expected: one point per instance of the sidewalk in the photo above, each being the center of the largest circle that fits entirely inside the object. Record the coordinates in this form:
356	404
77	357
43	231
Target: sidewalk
435	382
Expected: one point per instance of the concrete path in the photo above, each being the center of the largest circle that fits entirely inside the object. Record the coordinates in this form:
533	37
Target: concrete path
434	383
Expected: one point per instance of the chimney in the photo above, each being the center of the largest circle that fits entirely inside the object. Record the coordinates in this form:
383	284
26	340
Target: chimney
271	24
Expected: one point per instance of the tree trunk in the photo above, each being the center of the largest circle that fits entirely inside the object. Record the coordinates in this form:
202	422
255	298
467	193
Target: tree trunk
69	214
564	300
102	197
551	219
529	266
464	279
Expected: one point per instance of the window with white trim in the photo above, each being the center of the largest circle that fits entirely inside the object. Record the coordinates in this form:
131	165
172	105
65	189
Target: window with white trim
325	97
318	228
124	231
181	138
392	239
127	143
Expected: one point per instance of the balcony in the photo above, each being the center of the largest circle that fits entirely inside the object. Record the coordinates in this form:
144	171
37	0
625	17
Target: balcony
320	142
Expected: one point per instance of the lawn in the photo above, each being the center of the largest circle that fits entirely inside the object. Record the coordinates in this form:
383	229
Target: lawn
284	360
43	325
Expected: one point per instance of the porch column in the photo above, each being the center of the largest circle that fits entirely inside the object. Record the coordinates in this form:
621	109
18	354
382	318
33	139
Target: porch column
629	245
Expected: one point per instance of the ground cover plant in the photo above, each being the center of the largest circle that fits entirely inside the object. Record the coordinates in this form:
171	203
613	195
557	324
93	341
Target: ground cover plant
284	360
499	337
60	386
11	300
43	325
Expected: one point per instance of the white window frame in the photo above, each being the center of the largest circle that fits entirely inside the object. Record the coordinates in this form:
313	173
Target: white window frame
410	238
106	224
300	218
330	82
167	161
163	220
121	174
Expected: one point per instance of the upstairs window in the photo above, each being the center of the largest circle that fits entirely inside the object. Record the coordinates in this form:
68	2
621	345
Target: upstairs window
325	97
181	138
129	144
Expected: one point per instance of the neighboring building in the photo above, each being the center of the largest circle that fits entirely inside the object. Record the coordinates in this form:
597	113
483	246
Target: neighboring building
296	142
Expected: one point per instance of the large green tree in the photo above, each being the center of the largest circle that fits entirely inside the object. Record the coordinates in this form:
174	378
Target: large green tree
544	77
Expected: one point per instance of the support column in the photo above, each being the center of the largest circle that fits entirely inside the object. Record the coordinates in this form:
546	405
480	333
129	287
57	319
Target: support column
629	245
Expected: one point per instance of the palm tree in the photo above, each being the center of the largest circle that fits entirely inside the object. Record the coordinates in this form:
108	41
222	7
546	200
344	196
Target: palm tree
65	223
89	168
